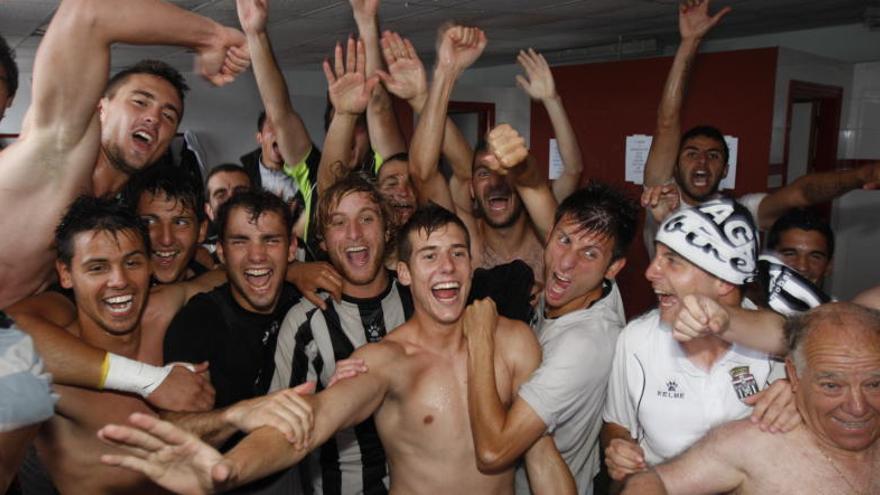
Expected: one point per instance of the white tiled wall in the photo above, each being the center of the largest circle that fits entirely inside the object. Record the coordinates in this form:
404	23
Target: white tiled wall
863	124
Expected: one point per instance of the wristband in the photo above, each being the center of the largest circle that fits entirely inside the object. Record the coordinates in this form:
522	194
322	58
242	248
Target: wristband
127	375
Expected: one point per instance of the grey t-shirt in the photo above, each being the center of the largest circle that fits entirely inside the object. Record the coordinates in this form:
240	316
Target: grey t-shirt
568	390
25	389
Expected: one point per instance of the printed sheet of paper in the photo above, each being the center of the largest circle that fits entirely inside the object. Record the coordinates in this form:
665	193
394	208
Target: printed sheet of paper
556	166
638	145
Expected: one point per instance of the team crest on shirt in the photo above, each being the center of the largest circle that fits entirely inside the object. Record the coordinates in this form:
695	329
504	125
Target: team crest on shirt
744	383
670	391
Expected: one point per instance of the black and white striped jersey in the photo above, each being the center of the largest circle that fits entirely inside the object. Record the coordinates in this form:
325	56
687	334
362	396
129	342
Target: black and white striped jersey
309	344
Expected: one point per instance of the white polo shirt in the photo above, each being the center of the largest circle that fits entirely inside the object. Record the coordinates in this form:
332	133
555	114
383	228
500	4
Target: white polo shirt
668	403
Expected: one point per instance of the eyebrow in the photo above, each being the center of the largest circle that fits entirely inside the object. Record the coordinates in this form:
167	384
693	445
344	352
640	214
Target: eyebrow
151	96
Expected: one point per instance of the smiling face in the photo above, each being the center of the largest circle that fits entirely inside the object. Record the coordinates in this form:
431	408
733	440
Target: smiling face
838	391
175	232
575	264
256	253
138	121
354	238
110	276
438	272
396	188
805	251
496	199
700	169
672	277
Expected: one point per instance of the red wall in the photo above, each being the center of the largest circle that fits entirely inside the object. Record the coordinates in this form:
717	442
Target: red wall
609	101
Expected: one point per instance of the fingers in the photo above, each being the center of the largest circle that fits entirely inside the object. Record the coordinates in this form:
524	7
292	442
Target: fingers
307	388
523	83
507	145
339	60
347	368
623	458
328	73
133	463
717	17
351	56
314	298
773	407
133	440
388	52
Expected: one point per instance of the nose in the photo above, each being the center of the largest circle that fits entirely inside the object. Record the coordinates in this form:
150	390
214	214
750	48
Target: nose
354	230
799	263
118	277
568	259
447	263
257	252
654	270
855	404
165	236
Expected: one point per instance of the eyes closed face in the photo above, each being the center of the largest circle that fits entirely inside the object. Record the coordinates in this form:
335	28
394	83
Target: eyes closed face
174	235
439	272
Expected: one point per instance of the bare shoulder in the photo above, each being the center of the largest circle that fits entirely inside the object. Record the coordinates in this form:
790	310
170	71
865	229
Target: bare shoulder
741	443
514	332
383	355
51	306
869	298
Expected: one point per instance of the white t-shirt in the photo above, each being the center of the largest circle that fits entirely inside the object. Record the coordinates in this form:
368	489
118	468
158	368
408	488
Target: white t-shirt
278	183
668	403
751	202
568	389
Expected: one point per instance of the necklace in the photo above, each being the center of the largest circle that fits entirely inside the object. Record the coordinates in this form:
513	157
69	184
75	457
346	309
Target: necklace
839	472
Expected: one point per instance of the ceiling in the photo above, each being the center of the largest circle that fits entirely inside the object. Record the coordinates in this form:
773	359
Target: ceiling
304	31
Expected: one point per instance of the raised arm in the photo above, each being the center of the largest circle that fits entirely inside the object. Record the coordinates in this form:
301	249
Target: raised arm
294	141
540	86
385	136
349	91
458	48
511	156
758	329
816	188
694	22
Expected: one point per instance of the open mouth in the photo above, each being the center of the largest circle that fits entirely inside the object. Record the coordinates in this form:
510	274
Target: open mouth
120	305
357	255
258	277
665	299
557	285
446	291
143	137
498	202
165	257
700	178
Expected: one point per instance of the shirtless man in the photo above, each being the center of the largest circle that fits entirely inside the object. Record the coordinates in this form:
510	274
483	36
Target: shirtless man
491	204
416	385
697	161
834	367
76	138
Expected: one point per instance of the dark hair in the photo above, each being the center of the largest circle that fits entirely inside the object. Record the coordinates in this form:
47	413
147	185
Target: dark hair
800	218
604	210
709	132
353	182
176	184
261	119
403	156
429	219
7	61
256	203
154	68
225	167
88	213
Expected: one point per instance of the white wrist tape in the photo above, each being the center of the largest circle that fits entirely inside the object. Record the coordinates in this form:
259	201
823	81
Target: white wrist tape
128	375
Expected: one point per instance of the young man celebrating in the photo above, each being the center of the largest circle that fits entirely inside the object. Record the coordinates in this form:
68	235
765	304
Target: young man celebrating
663	395
580	315
415	385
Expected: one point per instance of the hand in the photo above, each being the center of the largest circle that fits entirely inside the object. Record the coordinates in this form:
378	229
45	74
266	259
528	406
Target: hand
406	77
774	408
508	149
184	390
624	457
252	14
221	61
349	88
309	277
699	316
480	318
871	176
540	84
171	457
364	10
694	20
458	47
283	410
661	200
347	368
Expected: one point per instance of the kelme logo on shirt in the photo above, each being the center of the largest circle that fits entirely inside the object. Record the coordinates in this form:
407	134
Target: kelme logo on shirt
743	382
671	391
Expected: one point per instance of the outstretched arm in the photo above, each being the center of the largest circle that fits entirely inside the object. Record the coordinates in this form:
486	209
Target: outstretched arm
385	136
540	86
694	22
349	91
459	47
757	329
294	141
816	188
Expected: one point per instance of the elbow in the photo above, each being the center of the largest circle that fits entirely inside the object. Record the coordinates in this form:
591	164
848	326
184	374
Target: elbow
491	460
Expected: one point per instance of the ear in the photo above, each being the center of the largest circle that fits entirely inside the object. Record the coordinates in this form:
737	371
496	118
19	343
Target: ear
403	274
792	375
724	172
64	276
220	254
291	251
259	137
203	231
614	268
101	104
209	211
